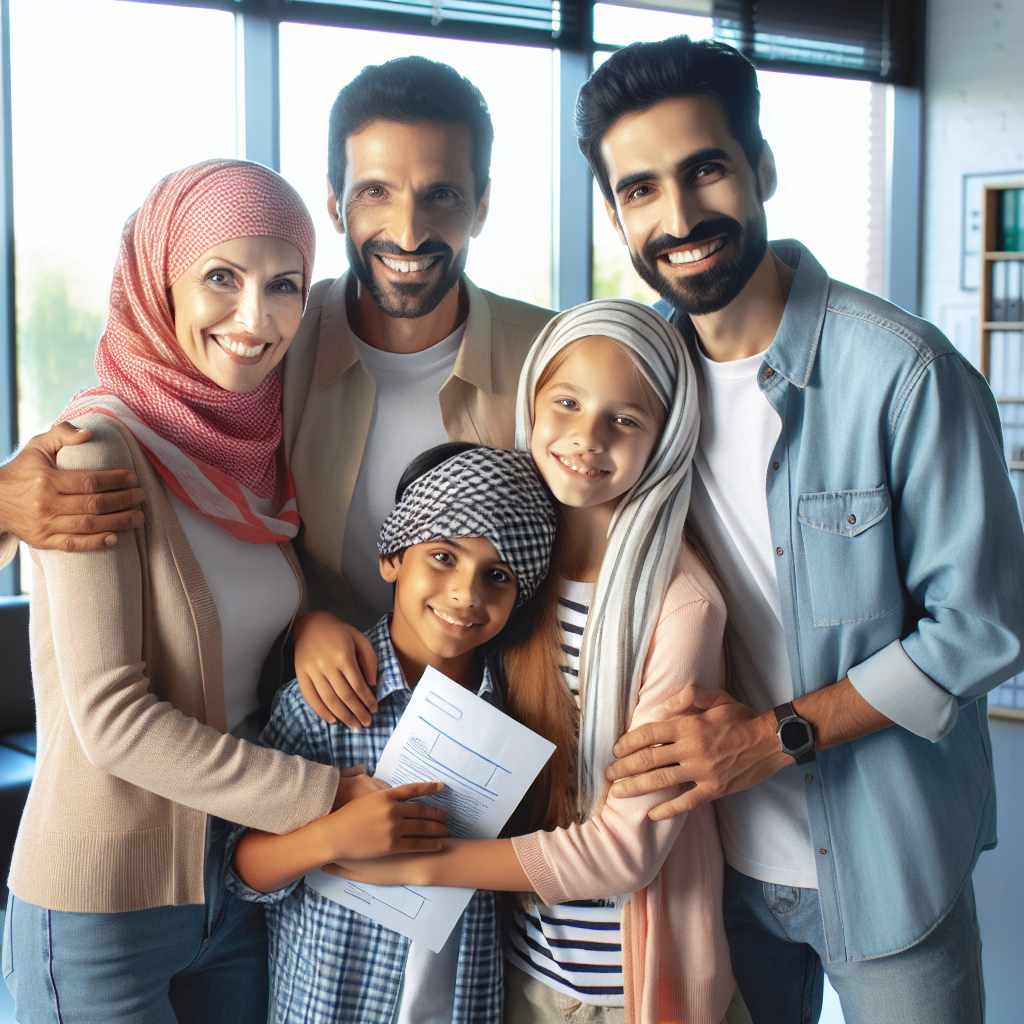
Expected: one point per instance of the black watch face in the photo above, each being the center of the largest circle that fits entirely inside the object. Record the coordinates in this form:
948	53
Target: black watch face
794	735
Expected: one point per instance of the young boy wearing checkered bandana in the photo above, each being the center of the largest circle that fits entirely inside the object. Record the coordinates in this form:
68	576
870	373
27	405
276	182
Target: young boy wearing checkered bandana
466	547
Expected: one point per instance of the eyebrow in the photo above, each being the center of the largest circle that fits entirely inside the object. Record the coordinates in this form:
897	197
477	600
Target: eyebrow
700	157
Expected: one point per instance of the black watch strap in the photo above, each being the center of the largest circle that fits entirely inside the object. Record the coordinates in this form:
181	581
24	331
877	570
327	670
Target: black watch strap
785	715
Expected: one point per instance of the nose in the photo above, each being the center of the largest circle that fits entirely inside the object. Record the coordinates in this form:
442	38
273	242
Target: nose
683	211
464	588
407	227
589	436
250	310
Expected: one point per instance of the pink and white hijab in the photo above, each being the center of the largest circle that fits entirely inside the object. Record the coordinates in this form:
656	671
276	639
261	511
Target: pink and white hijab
218	451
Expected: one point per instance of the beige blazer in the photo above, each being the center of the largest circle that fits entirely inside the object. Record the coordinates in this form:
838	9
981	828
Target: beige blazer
328	404
132	752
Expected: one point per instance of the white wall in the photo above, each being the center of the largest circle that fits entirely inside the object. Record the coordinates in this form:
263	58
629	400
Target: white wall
974	122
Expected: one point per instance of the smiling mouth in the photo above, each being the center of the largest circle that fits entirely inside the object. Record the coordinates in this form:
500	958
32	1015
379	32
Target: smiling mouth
239	348
695	254
444	617
581	470
407	266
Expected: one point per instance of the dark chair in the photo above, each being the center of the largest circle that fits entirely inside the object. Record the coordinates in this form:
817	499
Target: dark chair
17	723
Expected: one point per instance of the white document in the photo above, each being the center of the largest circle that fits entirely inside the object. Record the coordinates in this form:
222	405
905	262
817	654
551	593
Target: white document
486	761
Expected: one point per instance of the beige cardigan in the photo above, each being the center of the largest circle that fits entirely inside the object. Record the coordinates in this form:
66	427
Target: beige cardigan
132	752
328	404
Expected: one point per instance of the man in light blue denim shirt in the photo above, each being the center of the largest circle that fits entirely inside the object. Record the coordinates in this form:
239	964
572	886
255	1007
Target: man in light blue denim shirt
853	494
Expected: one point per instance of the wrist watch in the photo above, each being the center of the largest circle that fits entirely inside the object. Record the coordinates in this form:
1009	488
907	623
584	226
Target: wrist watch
796	734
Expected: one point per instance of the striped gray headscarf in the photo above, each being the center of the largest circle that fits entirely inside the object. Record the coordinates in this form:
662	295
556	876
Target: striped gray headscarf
647	530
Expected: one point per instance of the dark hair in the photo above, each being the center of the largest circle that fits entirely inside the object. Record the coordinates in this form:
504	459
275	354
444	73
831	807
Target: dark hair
638	76
409	90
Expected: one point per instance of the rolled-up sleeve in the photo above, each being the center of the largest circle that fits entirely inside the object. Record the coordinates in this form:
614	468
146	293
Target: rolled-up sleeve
961	549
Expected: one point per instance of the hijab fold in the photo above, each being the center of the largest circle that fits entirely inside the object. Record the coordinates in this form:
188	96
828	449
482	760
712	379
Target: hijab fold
646	531
216	450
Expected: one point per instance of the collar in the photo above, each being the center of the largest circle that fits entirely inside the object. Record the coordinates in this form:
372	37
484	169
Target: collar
795	347
390	677
472	364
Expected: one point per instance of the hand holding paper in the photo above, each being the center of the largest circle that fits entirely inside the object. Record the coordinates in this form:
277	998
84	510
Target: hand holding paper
486	760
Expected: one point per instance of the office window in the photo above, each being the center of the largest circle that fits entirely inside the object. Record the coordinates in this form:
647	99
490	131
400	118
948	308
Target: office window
107	98
513	254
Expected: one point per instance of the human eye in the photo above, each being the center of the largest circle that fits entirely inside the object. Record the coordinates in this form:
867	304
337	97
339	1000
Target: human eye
500	576
625	421
706	174
567	403
284	286
220	276
443	558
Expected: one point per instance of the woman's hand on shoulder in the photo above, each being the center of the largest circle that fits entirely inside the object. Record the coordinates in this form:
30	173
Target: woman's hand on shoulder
384	823
333	664
354	783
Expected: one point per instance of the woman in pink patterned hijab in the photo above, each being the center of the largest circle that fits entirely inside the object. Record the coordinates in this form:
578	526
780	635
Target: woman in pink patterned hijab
147	656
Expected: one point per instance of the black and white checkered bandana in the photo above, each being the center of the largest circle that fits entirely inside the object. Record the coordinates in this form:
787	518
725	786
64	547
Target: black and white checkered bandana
485	492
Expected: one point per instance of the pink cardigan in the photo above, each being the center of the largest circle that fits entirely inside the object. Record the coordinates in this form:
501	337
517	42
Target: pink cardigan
675	956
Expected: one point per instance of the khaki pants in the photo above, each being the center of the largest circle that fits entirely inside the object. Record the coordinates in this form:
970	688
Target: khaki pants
529	1001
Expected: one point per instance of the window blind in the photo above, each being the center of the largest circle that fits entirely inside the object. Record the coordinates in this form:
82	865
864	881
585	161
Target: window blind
550	20
873	39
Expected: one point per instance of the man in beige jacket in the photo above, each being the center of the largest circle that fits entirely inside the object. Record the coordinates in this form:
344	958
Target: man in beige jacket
400	353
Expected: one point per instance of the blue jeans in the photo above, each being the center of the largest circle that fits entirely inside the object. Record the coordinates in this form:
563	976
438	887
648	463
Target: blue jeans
777	943
168	965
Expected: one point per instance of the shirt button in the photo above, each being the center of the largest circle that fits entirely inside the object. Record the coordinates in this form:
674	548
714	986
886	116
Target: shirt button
775	465
769	373
852	520
823	851
808	778
778	551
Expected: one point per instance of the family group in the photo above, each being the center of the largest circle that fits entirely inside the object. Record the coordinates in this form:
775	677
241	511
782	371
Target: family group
749	559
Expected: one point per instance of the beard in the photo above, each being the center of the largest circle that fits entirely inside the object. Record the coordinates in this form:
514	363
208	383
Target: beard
712	289
415	299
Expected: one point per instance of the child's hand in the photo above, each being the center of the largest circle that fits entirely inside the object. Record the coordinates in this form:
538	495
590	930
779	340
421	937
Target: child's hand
408	869
333	663
384	823
354	783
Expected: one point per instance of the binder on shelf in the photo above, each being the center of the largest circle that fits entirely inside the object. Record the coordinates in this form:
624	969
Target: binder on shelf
998	311
1014	283
1010	239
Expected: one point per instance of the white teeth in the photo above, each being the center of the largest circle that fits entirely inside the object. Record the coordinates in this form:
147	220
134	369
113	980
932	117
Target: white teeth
407	266
448	618
245	351
579	469
700	253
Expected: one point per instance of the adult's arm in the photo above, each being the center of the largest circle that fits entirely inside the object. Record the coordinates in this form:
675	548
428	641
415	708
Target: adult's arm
64	510
961	549
96	606
620	849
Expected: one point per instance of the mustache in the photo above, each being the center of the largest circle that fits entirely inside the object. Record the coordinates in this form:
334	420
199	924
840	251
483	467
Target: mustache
431	247
706	229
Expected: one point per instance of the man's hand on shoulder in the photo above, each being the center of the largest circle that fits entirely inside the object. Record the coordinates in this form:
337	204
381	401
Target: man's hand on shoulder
66	510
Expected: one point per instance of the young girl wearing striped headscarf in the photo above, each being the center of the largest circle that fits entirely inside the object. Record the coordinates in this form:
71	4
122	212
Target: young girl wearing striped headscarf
608	408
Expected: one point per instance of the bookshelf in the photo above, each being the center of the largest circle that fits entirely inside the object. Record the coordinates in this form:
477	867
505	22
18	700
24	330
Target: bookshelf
1002	352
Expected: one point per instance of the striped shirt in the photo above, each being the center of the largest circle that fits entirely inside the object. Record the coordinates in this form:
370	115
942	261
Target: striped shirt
575	947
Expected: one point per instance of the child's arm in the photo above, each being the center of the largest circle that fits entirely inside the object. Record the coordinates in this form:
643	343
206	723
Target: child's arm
619	850
374	825
333	663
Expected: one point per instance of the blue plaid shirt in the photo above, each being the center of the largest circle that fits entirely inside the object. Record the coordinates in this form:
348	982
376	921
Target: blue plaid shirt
328	964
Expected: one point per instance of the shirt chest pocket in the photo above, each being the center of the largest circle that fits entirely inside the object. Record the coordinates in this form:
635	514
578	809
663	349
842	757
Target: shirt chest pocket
850	555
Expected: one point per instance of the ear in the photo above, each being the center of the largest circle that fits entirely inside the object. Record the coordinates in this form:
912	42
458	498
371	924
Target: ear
337	220
481	212
613	216
767	176
389	566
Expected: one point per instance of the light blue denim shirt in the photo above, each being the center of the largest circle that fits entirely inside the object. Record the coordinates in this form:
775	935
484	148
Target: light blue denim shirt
900	561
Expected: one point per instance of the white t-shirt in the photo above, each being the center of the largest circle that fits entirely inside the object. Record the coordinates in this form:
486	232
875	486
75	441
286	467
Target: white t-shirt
765	830
406	421
256	593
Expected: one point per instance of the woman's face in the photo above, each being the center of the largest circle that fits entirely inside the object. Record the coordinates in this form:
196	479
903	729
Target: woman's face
237	308
596	422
